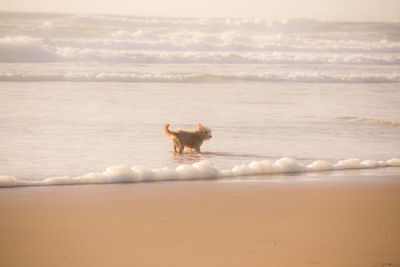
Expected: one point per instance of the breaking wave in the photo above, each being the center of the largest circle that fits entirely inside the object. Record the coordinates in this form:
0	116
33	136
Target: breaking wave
295	76
357	51
32	49
198	171
47	21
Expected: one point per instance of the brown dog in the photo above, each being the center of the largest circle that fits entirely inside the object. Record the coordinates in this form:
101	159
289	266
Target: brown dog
188	138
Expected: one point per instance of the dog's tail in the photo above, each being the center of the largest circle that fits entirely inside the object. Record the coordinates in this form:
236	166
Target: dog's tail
168	131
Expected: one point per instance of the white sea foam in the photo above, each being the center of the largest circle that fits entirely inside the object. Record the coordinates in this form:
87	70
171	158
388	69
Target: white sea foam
369	51
198	171
227	50
295	76
254	24
225	41
199	34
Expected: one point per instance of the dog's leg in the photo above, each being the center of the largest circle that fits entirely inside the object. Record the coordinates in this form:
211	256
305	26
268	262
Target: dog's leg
181	147
175	144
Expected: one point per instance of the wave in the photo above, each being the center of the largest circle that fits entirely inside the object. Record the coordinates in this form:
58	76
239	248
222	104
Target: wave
195	40
254	24
286	25
198	171
54	32
295	76
28	49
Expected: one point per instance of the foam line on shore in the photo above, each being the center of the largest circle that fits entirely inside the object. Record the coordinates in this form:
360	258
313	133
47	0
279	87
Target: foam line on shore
198	171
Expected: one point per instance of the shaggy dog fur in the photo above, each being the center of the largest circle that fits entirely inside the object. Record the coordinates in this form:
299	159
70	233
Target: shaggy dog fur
188	138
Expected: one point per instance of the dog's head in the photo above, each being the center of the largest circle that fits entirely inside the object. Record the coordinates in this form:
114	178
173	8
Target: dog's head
205	131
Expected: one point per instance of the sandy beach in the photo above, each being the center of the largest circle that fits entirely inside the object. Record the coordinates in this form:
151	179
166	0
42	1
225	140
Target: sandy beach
206	223
299	166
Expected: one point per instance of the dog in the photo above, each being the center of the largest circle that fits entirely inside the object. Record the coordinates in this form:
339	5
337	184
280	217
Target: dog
188	138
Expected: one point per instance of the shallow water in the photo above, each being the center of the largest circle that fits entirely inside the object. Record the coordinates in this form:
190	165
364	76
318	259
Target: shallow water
55	129
81	93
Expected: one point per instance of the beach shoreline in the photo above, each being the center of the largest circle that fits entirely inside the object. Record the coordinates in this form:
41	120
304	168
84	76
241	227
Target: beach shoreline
203	223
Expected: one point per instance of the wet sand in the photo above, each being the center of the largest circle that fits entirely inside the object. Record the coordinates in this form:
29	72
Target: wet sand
207	223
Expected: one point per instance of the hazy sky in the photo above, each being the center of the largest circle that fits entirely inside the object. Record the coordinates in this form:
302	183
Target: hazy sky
273	9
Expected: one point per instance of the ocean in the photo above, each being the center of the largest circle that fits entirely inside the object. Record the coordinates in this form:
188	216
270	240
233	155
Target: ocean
84	98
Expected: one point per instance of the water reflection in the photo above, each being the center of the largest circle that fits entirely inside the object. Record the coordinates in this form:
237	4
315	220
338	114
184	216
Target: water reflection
189	157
